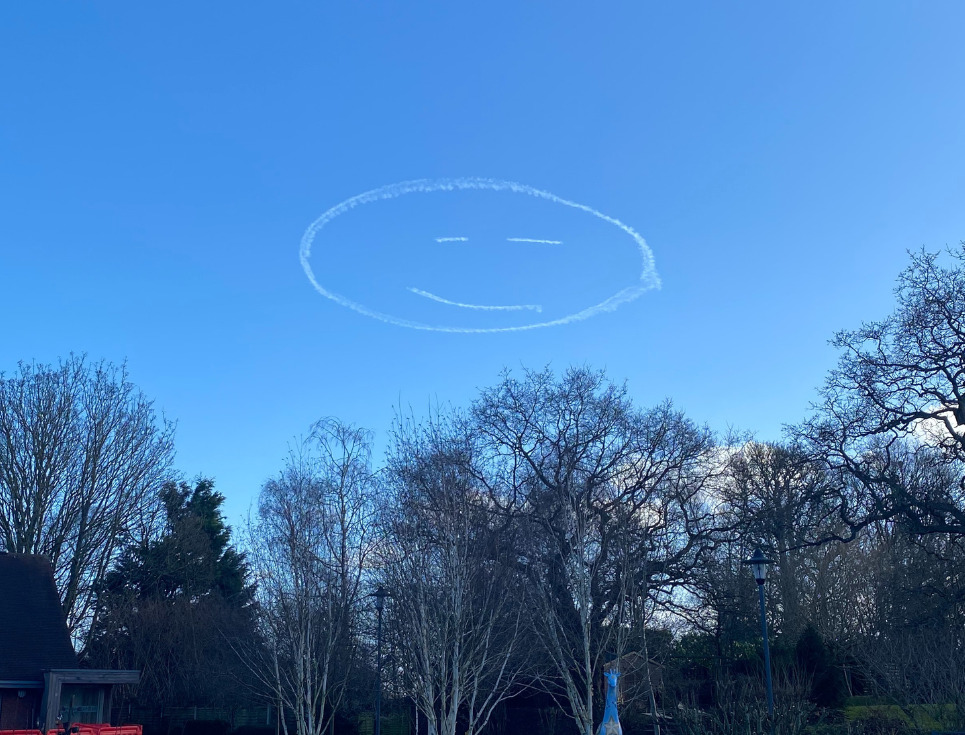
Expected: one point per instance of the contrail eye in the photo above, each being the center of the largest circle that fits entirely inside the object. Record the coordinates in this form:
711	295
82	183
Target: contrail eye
452	239
534	240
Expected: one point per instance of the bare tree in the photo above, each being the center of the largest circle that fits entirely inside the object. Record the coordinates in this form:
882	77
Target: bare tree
779	498
82	456
897	399
309	547
450	565
588	475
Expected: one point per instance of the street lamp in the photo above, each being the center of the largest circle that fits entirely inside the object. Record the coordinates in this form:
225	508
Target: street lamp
758	564
380	594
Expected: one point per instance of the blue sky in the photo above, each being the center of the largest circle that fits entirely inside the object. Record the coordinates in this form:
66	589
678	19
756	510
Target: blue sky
160	162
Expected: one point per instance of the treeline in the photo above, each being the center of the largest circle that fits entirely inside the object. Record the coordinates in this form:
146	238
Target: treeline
526	542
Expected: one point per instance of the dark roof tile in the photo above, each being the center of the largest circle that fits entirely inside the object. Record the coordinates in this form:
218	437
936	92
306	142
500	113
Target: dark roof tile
33	633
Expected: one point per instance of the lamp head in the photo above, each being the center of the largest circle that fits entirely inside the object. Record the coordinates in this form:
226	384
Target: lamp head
758	564
380	594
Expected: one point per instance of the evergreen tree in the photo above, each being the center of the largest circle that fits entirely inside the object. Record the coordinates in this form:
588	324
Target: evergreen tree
177	605
816	660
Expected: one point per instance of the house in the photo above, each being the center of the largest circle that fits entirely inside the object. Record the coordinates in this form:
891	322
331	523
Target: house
637	678
39	677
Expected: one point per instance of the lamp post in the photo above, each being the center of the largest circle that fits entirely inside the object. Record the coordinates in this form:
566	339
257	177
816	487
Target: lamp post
380	594
758	564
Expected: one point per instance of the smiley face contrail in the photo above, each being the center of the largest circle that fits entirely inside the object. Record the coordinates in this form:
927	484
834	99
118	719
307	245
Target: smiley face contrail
648	278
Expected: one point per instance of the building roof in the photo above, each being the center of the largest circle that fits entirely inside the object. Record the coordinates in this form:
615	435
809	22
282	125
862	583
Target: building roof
33	631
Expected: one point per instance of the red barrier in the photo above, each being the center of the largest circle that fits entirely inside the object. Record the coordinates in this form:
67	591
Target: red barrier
77	729
83	728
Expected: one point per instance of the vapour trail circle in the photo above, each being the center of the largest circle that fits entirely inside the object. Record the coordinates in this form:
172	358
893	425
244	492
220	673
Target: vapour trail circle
648	274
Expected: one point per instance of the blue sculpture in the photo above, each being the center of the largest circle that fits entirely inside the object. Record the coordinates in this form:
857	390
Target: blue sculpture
611	720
